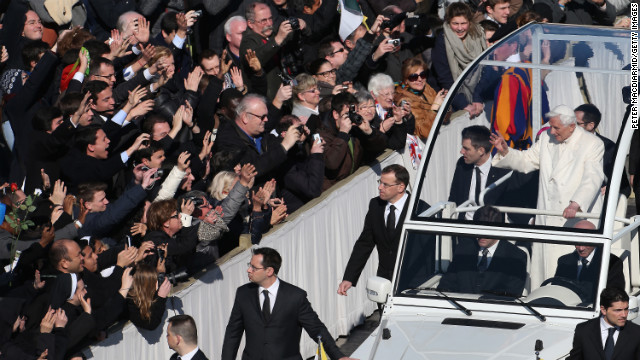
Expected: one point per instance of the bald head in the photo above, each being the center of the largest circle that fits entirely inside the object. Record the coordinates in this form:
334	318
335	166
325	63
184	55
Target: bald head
584	224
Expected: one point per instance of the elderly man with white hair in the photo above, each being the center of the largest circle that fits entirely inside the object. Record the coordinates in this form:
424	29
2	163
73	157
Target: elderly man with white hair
570	163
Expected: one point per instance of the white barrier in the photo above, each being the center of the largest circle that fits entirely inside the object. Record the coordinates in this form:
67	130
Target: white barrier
315	247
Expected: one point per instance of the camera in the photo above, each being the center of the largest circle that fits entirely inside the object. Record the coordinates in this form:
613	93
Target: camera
157	175
196	200
355	118
395	42
197	13
174	277
389	113
301	129
288	80
394	21
295	24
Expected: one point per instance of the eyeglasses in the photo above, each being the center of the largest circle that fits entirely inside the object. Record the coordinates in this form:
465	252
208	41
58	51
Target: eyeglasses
414	77
261	117
253	268
107	76
337	51
312	90
385	185
264	21
327	73
174	216
387	94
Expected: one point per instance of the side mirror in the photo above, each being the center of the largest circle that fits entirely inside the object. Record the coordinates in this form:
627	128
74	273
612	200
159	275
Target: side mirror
633	308
378	289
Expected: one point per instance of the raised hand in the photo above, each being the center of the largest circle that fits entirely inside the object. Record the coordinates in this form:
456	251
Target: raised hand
142	33
236	77
207	144
183	161
253	61
193	80
58	193
165	288
187	207
224	65
61	318
138	229
499	143
279	214
49	319
247	174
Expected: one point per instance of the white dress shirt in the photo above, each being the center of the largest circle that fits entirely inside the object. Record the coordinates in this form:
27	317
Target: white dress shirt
273	292
399	206
604	332
484	175
492	250
190	354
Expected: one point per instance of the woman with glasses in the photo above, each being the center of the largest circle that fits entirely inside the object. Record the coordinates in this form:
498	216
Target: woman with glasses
325	74
424	101
306	97
165	227
461	41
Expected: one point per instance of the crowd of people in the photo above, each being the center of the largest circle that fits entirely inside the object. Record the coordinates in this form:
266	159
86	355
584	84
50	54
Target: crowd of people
142	139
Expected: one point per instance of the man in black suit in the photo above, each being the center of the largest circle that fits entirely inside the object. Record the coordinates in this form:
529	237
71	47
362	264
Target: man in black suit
583	266
272	314
182	337
611	336
381	227
486	264
474	171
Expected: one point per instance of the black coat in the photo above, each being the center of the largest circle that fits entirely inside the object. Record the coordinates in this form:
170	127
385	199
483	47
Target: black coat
198	356
374	234
278	338
568	268
506	273
587	342
232	139
461	184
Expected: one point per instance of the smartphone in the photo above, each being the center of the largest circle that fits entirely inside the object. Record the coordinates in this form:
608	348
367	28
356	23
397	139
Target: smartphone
214	133
317	138
129	240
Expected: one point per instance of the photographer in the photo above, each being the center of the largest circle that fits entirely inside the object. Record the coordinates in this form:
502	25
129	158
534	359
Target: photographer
348	139
270	46
395	122
147	297
303	171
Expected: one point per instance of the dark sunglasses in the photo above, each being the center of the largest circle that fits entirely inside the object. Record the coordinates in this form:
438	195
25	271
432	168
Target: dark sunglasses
414	77
337	51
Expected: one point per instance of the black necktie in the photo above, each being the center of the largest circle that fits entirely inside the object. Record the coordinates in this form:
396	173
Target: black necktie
608	345
482	265
391	220
266	305
584	262
478	184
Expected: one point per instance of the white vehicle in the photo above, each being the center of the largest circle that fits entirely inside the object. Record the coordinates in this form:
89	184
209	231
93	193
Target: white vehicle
423	320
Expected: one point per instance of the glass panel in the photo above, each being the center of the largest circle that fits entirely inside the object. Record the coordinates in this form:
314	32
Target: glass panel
512	88
537	272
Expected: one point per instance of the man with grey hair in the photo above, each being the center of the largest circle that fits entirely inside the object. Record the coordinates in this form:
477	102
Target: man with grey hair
247	139
570	162
233	29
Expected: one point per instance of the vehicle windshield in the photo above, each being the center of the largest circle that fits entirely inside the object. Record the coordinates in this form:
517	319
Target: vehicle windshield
513	88
535	272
